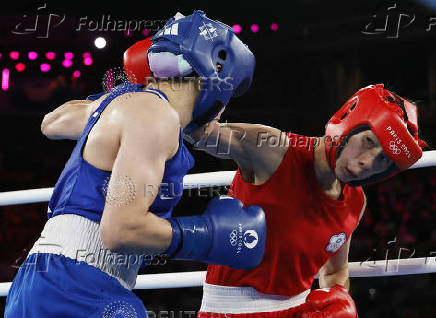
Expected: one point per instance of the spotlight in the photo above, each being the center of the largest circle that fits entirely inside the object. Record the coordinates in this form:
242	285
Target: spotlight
20	67
88	61
76	74
254	28
100	42
67	63
50	55
14	55
237	28
5	79
69	55
274	27
45	67
32	55
145	32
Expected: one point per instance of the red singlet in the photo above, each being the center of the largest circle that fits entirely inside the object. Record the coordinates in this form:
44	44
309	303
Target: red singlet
305	227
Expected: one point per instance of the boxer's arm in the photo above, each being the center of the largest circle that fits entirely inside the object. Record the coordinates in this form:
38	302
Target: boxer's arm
149	136
335	270
333	298
257	149
68	120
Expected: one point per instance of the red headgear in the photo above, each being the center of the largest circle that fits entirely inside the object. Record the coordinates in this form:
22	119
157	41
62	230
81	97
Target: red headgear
136	63
390	117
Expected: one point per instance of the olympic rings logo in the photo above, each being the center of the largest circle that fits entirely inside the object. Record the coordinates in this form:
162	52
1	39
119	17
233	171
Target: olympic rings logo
393	147
234	238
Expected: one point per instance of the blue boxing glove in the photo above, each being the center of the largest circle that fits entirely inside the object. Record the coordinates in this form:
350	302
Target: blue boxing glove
227	233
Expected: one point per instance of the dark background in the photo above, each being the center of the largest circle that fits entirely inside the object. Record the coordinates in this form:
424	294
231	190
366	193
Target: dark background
305	72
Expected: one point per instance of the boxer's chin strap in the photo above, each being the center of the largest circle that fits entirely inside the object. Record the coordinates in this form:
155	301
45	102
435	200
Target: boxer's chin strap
376	177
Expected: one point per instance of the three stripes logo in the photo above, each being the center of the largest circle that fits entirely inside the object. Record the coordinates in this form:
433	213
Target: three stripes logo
172	30
207	31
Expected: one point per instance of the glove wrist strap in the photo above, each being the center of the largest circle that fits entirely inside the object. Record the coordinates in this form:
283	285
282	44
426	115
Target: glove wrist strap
176	240
191	238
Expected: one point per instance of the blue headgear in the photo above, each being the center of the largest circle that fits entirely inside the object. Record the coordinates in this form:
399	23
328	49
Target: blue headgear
204	43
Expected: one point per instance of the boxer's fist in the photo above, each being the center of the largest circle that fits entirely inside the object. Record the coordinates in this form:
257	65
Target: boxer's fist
199	136
333	302
227	233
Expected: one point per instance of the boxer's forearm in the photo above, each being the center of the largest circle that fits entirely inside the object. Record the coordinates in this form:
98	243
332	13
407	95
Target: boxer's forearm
147	234
341	277
219	140
67	121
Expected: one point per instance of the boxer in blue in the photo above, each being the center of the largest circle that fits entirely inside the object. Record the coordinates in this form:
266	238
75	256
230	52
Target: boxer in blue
111	207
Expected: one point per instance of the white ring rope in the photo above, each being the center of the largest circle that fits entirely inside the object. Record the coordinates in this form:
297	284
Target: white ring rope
195	279
393	267
190	181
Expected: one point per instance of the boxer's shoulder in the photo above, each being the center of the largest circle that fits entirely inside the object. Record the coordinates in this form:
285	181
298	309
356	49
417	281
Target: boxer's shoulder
142	100
266	147
145	109
139	118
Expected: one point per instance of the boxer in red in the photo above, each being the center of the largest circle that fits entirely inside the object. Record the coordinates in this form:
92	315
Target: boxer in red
310	190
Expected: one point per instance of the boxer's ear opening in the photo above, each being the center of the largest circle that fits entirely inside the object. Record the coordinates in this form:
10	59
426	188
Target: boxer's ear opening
222	55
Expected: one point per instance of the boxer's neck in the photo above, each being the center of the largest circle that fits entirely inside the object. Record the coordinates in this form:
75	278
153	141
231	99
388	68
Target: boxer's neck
182	96
324	174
